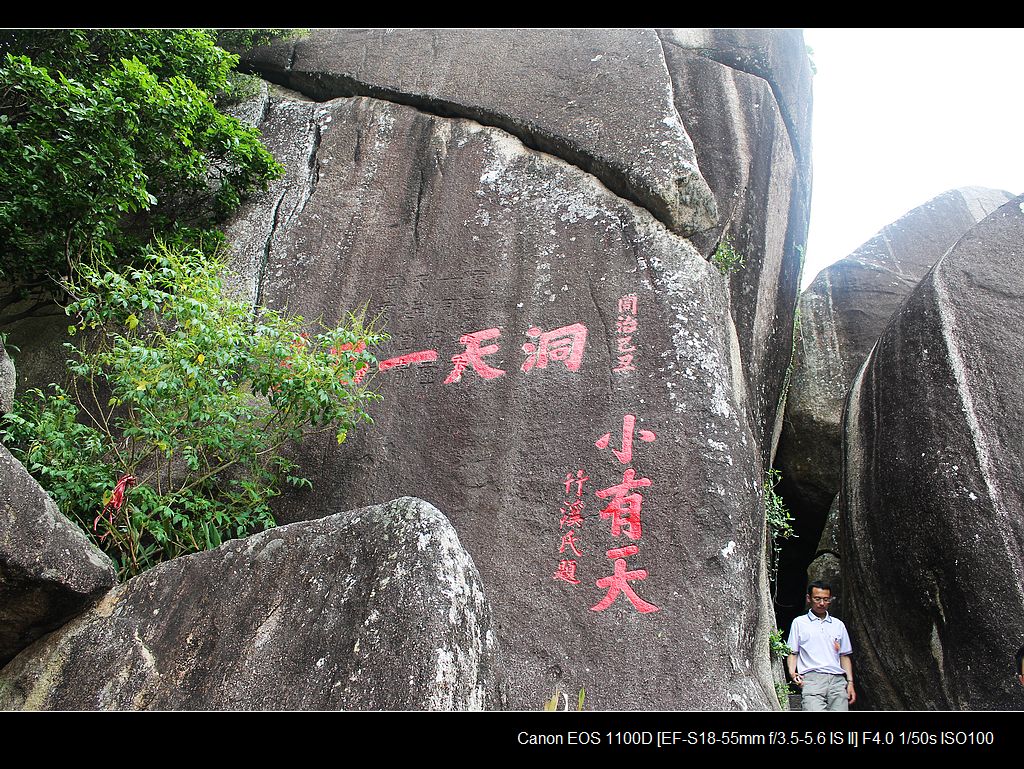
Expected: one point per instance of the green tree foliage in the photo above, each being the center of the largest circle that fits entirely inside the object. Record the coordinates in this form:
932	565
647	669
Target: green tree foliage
110	136
241	39
181	400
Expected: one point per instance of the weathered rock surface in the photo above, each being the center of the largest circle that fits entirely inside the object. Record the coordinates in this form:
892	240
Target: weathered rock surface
599	98
8	380
842	313
40	341
777	56
827	564
746	152
515	284
933	508
49	571
378	608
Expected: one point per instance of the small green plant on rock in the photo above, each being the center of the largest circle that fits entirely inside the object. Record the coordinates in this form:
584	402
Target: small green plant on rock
168	439
552	704
777	644
780	520
726	258
782	692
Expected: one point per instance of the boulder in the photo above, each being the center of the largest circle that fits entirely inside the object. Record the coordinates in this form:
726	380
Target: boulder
379	608
932	509
49	571
842	313
747	153
600	98
557	356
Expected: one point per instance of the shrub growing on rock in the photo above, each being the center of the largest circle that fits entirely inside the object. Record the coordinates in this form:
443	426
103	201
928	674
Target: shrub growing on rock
181	398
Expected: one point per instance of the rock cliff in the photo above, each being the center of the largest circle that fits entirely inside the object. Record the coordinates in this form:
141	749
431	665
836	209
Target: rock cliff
932	525
530	215
533	214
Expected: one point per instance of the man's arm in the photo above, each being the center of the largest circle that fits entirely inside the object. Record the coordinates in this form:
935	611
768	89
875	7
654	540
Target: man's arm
791	666
847	664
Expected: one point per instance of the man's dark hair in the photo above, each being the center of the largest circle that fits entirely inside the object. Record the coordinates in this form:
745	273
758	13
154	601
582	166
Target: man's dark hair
820	584
1020	661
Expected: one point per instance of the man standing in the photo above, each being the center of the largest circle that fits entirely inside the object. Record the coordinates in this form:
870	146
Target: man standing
820	661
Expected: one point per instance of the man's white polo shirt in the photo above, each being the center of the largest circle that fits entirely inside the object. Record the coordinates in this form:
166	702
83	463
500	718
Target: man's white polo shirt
814	640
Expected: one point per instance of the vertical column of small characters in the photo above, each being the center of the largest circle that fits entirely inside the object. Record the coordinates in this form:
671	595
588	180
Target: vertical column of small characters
625	327
570	526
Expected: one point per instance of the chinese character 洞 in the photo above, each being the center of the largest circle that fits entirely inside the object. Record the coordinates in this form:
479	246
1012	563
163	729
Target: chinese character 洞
474	356
567	572
569	540
619	582
625	455
564	344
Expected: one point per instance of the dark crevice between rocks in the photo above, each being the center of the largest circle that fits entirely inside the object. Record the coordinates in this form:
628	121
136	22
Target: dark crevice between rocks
323	87
312	169
261	272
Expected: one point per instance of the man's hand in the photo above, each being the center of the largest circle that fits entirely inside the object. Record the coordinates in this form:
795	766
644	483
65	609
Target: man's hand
798	680
850	693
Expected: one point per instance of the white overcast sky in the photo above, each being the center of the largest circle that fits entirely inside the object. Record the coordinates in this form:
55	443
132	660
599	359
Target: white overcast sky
902	115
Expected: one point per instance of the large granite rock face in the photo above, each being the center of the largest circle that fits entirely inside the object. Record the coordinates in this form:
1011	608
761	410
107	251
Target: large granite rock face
933	508
557	353
626	133
49	571
600	98
750	156
379	608
842	313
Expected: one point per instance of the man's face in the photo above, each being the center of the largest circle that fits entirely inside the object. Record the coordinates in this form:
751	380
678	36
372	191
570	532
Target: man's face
819	600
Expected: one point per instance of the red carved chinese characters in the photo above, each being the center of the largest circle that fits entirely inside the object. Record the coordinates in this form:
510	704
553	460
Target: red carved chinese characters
569	540
474	356
423	356
562	344
624	509
578	480
619	583
566	345
625	326
572	516
567	572
625	454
